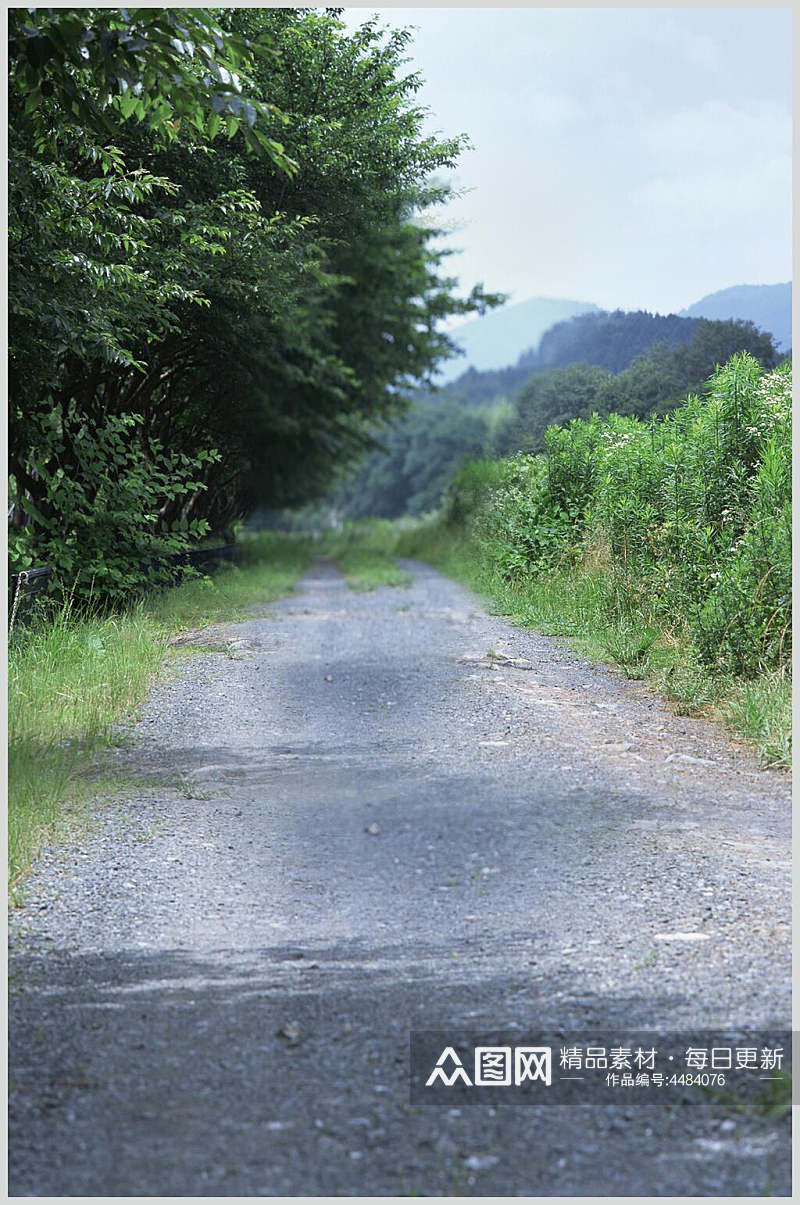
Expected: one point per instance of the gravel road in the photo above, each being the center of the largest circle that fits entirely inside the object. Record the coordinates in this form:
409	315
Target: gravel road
377	813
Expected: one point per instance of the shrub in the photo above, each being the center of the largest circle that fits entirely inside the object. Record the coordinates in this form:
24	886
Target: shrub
100	496
693	510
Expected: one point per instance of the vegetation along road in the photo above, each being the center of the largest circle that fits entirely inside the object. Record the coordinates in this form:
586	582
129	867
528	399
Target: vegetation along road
385	811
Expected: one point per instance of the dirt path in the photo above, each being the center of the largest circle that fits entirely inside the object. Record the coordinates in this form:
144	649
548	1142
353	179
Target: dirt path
371	826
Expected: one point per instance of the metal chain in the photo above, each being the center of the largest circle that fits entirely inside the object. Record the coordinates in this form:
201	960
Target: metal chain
22	580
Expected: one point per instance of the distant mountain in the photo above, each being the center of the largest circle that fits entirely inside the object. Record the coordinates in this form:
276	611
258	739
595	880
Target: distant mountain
610	340
500	337
613	341
769	307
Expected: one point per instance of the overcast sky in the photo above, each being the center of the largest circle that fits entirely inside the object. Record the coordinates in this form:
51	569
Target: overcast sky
630	157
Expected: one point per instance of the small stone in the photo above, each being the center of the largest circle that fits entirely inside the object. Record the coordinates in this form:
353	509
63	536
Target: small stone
681	936
481	1163
291	1031
689	760
372	829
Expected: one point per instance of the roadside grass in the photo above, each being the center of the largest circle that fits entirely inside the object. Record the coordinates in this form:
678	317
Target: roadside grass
73	677
271	564
579	604
774	1099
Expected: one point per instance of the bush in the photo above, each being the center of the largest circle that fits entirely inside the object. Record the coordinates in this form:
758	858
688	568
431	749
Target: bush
100	494
744	623
693	512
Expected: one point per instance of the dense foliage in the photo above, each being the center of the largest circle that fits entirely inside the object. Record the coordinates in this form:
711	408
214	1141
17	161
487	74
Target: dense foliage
420	454
503	411
690	513
652	383
220	269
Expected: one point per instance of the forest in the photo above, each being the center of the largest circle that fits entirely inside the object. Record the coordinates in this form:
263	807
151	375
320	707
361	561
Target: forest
222	272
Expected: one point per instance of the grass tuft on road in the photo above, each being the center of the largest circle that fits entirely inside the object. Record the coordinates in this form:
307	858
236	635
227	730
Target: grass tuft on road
369	572
73	677
362	553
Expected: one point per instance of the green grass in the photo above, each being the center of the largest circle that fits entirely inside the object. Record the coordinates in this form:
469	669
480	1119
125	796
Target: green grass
370	571
271	565
362	553
72	678
762	711
773	1099
579	604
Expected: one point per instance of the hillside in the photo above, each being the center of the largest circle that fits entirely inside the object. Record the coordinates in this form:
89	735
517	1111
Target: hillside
610	340
502	336
538	332
768	306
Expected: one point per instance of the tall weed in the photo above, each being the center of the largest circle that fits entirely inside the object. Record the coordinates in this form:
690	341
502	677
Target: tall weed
693	510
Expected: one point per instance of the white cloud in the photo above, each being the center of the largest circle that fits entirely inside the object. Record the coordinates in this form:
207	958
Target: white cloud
630	157
719	131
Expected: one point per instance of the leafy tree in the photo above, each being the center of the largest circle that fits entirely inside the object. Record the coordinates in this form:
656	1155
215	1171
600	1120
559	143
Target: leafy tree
115	487
653	383
249	304
92	70
101	268
409	473
714	343
556	397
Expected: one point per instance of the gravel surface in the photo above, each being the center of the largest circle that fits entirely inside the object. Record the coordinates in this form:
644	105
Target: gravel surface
376	813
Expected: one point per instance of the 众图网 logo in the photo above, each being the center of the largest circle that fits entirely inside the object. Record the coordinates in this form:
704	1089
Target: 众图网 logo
500	1066
587	1067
